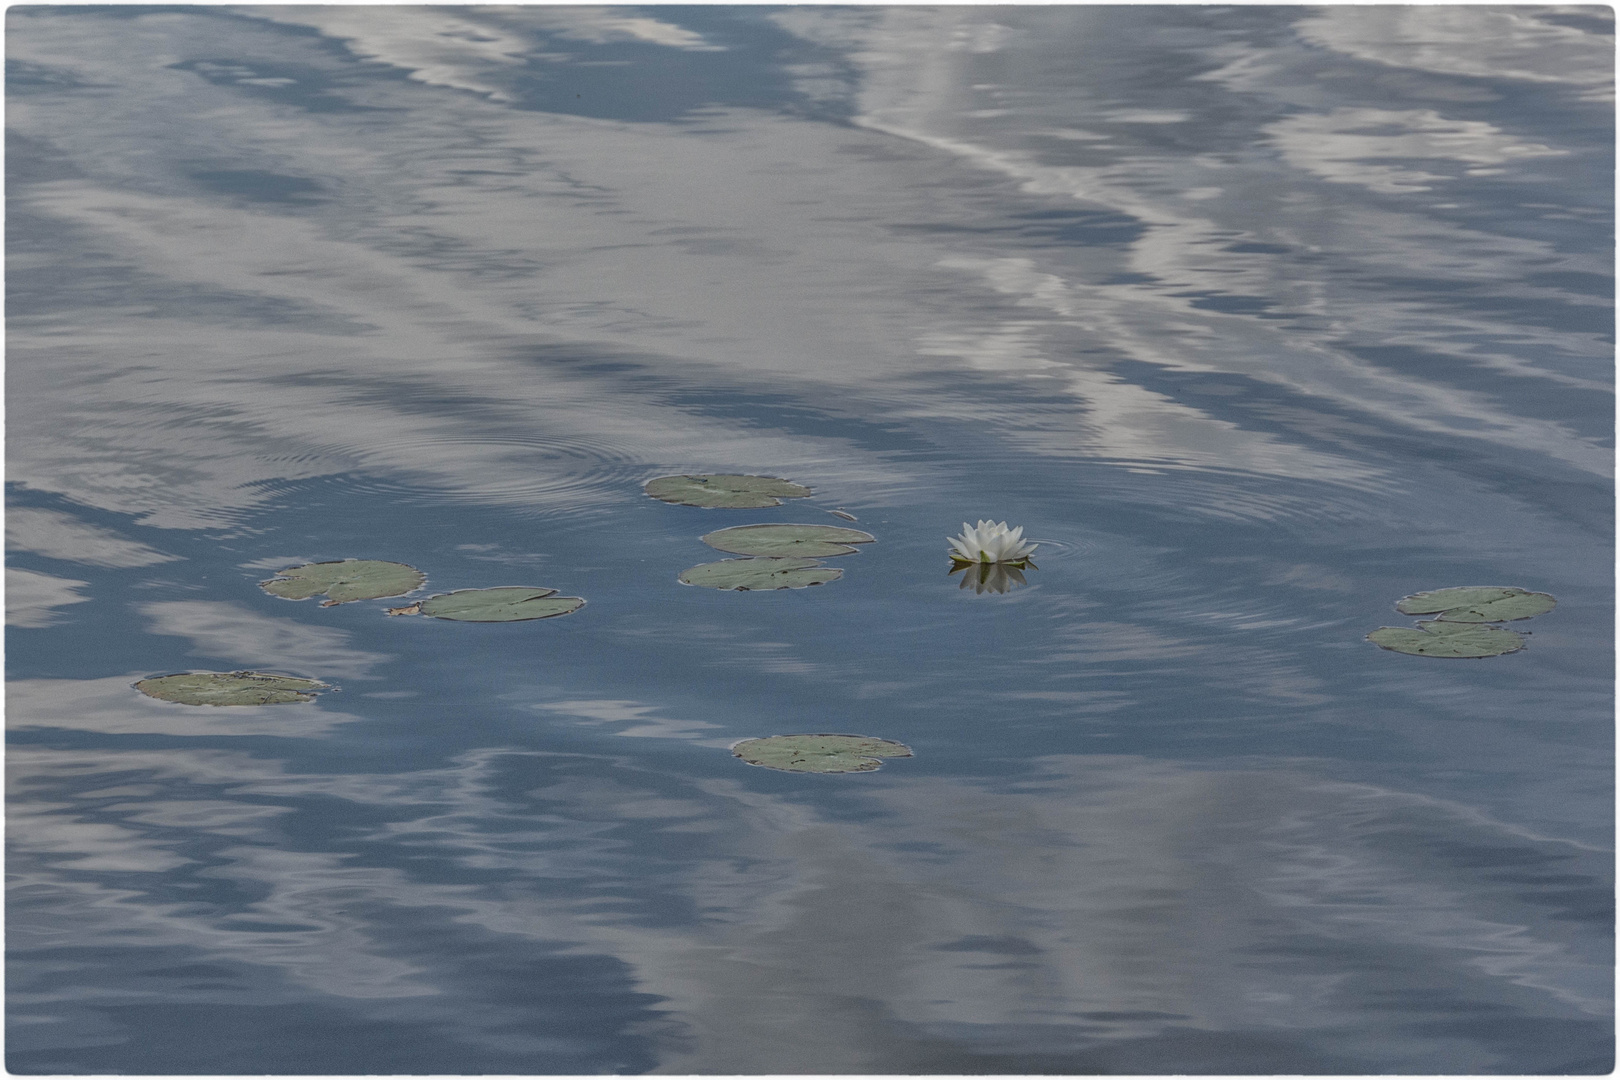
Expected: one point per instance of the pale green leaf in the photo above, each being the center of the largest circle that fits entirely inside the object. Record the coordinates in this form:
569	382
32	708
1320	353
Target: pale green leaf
1451	640
229	688
504	604
344	580
724	490
808	541
751	575
819	753
1478	604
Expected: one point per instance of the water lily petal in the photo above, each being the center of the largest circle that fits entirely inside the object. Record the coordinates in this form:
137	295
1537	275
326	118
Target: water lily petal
990	542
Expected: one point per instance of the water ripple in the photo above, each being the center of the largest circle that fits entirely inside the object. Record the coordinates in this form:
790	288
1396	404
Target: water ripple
544	475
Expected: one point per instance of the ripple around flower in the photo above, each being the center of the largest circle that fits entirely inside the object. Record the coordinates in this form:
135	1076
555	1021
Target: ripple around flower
547	476
1050	550
1204	495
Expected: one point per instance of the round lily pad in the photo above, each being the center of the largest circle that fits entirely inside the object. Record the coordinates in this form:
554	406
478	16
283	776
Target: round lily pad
811	541
724	490
1478	603
344	580
819	753
509	603
1453	640
752	575
229	688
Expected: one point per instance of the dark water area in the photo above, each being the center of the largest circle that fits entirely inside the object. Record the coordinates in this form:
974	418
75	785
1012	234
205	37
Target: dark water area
1257	319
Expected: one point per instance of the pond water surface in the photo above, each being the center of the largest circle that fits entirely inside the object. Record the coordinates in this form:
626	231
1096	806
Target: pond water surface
1256	319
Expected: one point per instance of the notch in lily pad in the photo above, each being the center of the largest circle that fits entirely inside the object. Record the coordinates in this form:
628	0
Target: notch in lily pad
230	688
724	490
1449	640
1478	604
508	603
791	541
819	753
344	580
756	575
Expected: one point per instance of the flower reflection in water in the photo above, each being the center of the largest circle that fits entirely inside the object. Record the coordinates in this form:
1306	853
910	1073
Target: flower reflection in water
983	577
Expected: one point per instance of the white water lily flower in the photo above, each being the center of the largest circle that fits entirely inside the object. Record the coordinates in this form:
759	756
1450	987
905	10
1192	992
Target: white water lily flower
991	542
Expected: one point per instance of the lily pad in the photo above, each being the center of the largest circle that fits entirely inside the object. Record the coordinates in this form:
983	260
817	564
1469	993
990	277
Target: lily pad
752	575
344	580
230	688
1478	604
819	753
810	541
1452	640
509	603
724	490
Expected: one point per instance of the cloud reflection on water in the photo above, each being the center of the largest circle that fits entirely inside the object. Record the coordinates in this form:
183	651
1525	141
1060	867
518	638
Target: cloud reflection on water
32	598
1093	904
223	630
58	535
1498	43
1192	247
1360	146
411	308
1102	261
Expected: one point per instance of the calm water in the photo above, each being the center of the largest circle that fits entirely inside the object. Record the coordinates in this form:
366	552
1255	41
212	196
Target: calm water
1258	319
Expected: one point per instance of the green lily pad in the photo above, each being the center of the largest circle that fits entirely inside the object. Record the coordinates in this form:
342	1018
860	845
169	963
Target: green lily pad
344	580
810	541
819	753
752	575
1478	603
230	688
1452	640
724	490
509	603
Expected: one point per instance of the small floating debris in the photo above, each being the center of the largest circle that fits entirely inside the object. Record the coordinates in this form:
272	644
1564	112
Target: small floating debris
754	575
507	603
724	490
1453	640
819	753
230	688
808	541
1478	604
344	581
